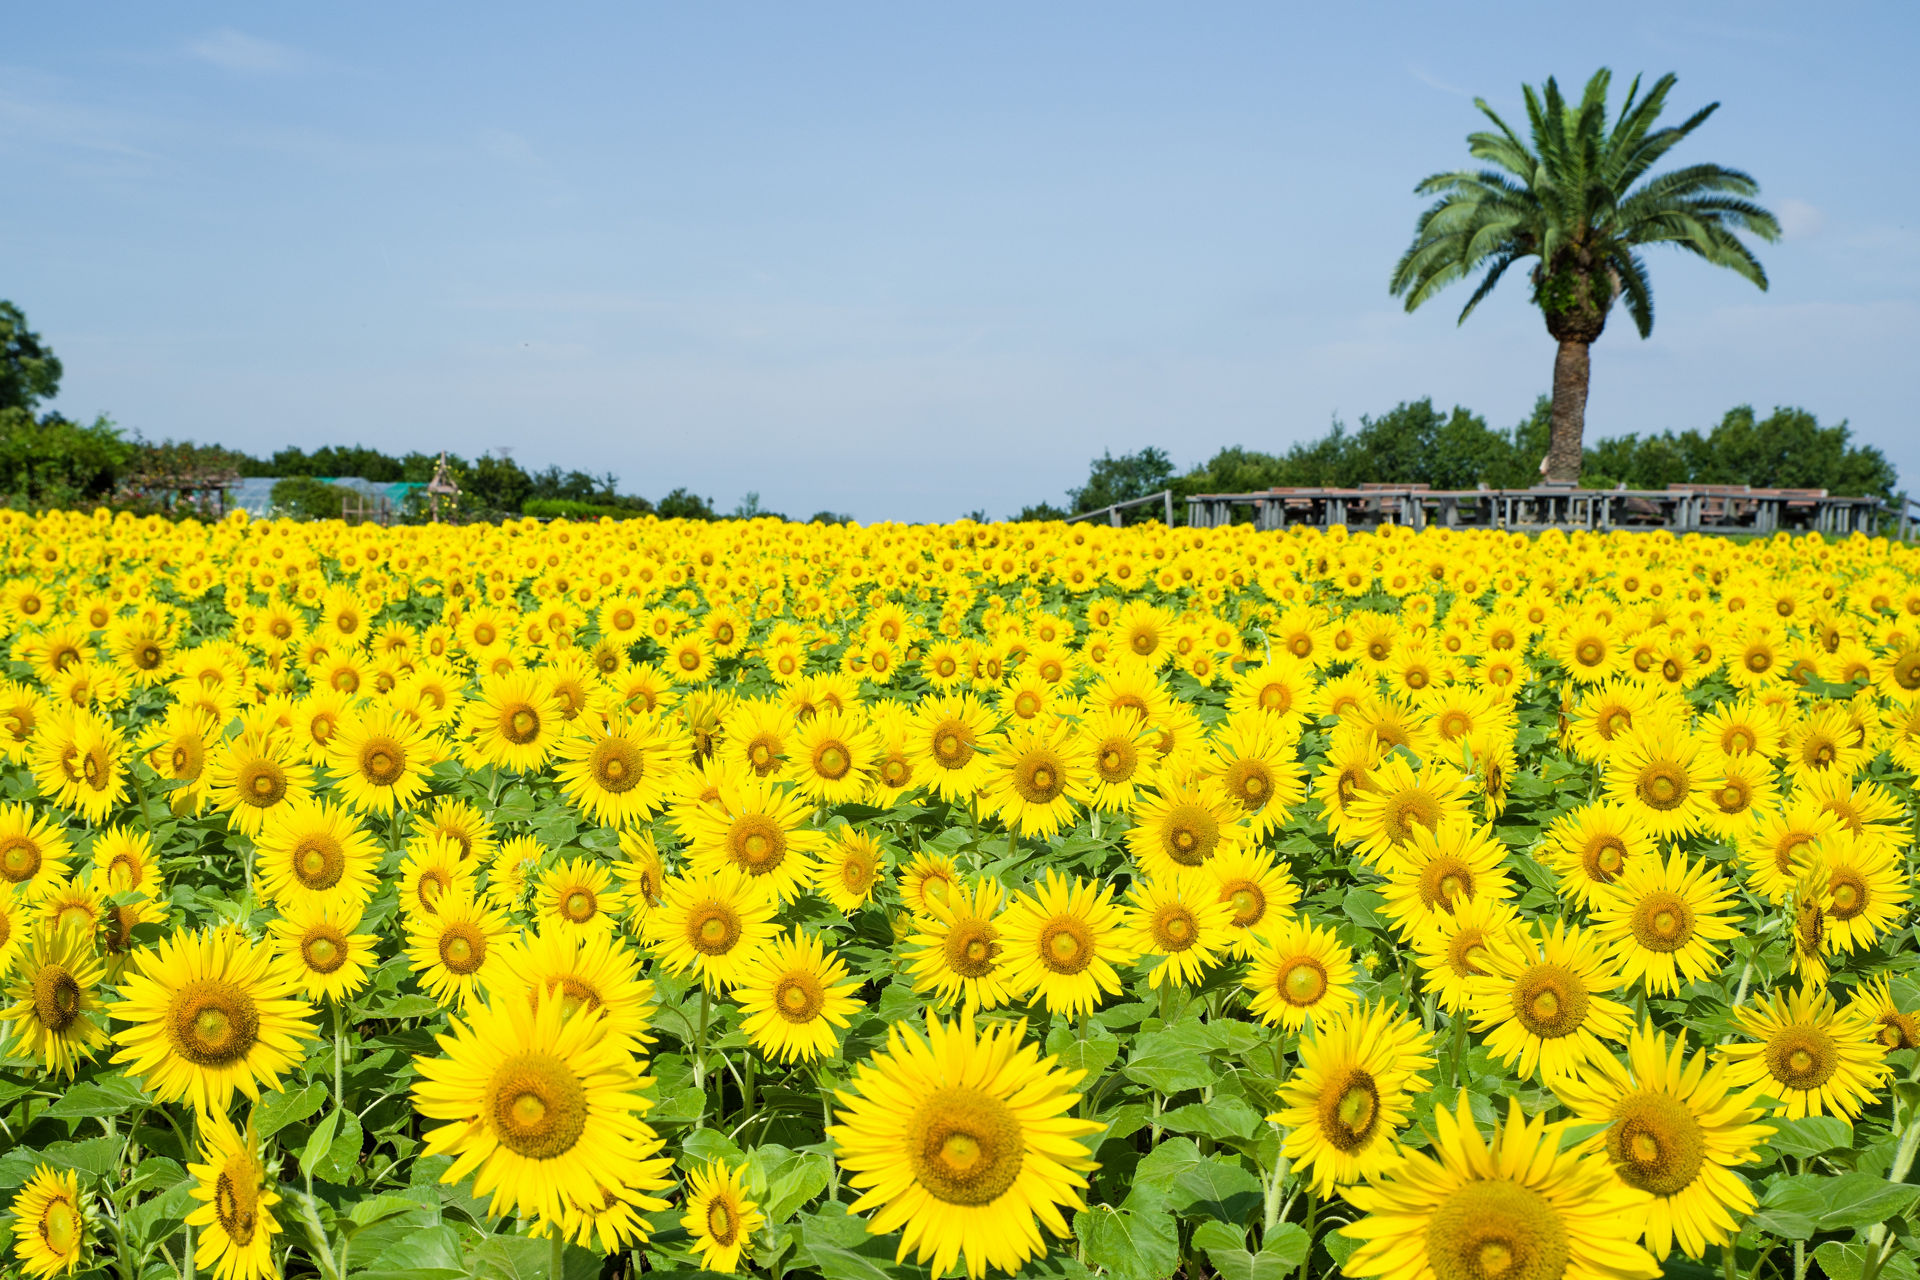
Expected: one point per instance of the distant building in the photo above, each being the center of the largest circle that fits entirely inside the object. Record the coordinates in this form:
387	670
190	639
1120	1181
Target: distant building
254	494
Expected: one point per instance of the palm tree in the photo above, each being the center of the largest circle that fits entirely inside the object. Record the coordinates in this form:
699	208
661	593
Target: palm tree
1579	200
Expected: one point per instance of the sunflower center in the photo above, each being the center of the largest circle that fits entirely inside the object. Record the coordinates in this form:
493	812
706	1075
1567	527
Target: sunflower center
1802	1057
520	725
263	783
1174	928
323	953
1898	1031
1303	980
1848	893
1497	1230
952	744
463	949
1445	881
713	929
1066	945
319	862
539	1106
1404	809
236	1202
1350	1110
1190	834
832	761
722	1226
382	761
759	845
1465	951
1605	857
1662	785
1655	1143
1248	901
1662	921
971	949
56	997
579	904
1040	777
964	1146
212	1022
1117	760
20	861
798	996
1589	652
1275	696
60	1227
615	765
1550	1001
762	754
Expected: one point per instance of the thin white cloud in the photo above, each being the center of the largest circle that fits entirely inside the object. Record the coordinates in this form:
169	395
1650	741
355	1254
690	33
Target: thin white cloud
232	50
1435	82
1798	219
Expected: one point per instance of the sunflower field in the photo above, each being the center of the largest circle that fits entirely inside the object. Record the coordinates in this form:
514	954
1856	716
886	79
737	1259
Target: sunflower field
584	900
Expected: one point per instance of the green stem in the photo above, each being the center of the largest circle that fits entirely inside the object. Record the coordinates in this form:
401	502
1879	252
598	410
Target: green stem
339	1057
557	1264
700	1042
1459	1047
1726	1261
1313	1225
746	1089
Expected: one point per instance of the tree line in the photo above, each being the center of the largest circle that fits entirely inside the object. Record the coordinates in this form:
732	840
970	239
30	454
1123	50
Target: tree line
1416	443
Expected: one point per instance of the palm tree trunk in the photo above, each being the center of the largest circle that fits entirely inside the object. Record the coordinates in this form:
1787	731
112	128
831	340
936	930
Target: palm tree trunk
1569	411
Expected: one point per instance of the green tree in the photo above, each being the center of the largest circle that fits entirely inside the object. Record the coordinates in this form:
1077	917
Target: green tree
682	504
1788	449
1122	479
29	371
1579	200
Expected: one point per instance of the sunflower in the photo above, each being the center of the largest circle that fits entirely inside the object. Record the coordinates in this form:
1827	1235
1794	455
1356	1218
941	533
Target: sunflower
49	1223
123	862
1037	777
1660	776
618	772
952	744
794	994
237	1198
319	952
33	853
176	748
833	755
959	1141
928	882
1397	801
593	971
451	946
1605	717
1777	851
1350	1095
1893	1027
713	924
1440	870
1452	948
379	760
1257	889
1302	972
759	827
578	894
760	735
432	870
256	775
850	867
13	929
1807	1057
956	949
641	873
1823	742
1867	808
56	999
719	1217
1744	728
80	764
1177	829
1253	761
1280	689
1064	939
545	1110
1588	847
1180	923
1739	791
513	723
1542	1000
1863	888
1518	1206
313	853
209	1013
1115	745
21	712
1675	1129
1342	780
1664	919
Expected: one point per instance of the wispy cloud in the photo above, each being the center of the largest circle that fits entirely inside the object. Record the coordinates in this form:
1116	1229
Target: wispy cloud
1799	220
1435	82
232	50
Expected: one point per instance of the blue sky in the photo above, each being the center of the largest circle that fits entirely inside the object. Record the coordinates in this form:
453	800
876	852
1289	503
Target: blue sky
902	261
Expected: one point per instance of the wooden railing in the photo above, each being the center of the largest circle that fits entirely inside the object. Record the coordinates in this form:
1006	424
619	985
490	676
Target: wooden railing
1112	513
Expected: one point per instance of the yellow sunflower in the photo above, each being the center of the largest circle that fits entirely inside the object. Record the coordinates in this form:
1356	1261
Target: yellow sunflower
544	1110
928	882
1542	1001
209	1014
1116	745
1675	1129
959	1141
955	951
1518	1205
1257	889
1665	919
1589	847
237	1195
379	760
578	894
593	971
952	743
834	753
794	995
1177	829
513	723
1808	1057
1895	1028
1864	888
1351	1094
49	1223
123	862
33	853
257	775
1452	948
54	1016
1441	869
619	772
1302	972
451	947
317	949
1777	850
1064	939
314	854
719	1217
1036	779
1659	774
850	867
1396	801
433	870
1181	925
713	924
1253	760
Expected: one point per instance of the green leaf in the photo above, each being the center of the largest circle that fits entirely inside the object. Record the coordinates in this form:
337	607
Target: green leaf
287	1106
1171	1060
1130	1245
94	1158
343	1153
1166	1162
1287	1244
1361	906
1849	1262
409	1006
1219	1187
523	1258
365	1213
1810	1136
1862	1200
319	1143
1222	1118
843	1264
1790	1207
795	1181
1090	1056
1225	1248
107	1097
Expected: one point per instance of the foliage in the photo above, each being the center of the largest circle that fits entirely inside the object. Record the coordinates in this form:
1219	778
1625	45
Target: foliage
307	498
1122	479
54	462
29	371
684	504
1788	449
